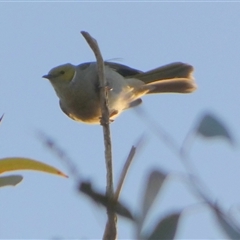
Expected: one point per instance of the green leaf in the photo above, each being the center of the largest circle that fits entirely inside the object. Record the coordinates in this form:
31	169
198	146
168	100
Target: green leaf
154	184
211	127
12	180
166	228
152	188
108	202
13	164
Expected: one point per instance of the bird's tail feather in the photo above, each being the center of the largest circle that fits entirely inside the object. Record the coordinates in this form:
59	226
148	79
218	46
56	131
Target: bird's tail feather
175	77
170	71
177	85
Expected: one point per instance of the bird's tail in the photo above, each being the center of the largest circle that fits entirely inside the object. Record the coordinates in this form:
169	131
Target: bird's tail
175	77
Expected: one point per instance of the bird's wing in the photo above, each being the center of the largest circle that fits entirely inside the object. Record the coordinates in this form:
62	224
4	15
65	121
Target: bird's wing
123	70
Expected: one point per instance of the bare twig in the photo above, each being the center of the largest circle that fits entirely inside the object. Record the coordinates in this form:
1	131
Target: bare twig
124	171
110	230
197	183
61	154
126	166
1	118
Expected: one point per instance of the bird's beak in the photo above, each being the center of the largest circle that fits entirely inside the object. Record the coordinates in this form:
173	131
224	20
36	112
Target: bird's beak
47	76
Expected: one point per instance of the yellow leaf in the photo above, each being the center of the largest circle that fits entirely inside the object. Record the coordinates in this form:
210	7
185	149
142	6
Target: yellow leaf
16	163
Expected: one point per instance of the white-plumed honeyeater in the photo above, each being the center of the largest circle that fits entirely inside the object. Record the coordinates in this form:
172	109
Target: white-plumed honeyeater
78	87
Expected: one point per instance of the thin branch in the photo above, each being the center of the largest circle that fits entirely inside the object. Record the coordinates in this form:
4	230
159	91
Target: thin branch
124	171
126	166
110	230
197	183
1	118
61	154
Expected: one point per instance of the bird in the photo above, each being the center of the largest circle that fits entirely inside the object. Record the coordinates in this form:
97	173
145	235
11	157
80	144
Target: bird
78	90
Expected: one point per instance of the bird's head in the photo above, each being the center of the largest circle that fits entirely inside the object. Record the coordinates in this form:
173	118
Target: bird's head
61	74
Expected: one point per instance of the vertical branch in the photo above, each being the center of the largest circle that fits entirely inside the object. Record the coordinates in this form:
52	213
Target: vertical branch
110	230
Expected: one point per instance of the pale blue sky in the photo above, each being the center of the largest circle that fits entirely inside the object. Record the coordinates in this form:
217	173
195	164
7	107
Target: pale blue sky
38	36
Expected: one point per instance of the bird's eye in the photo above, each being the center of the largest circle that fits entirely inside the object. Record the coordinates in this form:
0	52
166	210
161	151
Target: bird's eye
62	72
